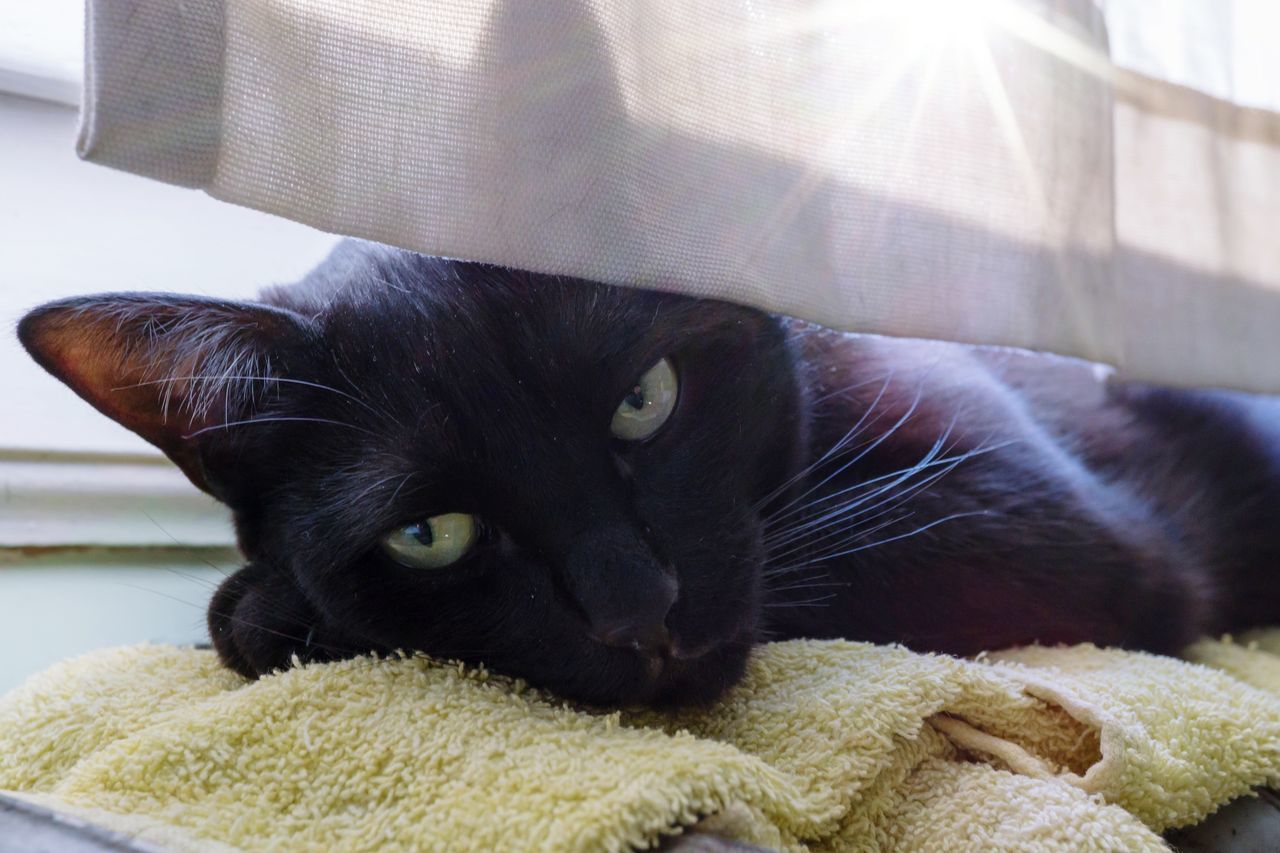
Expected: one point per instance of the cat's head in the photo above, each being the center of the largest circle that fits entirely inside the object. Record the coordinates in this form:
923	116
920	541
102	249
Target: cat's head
560	479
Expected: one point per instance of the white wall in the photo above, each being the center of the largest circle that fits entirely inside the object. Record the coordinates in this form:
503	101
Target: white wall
69	228
51	610
41	48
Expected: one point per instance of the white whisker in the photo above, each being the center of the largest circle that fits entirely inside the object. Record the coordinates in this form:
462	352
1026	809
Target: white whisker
268	420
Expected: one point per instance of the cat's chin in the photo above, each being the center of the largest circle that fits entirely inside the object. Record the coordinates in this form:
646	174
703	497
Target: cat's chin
703	680
679	682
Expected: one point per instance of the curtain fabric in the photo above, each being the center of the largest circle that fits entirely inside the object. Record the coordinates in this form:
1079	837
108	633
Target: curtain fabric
982	172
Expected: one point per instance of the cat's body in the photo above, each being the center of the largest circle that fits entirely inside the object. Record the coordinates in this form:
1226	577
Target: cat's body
1078	508
804	482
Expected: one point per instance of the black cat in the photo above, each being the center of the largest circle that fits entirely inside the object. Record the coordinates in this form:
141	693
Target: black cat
615	493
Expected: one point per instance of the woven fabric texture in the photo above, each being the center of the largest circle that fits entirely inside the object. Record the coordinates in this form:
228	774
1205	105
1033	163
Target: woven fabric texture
974	172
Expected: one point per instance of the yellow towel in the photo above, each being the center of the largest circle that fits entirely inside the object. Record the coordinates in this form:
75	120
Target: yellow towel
825	745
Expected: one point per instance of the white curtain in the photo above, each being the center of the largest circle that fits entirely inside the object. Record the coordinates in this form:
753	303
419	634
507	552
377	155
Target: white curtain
1096	181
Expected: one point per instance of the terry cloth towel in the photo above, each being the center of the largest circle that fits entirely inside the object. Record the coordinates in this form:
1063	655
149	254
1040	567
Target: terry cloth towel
825	745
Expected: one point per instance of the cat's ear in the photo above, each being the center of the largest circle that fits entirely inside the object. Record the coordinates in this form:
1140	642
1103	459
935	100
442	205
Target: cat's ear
170	368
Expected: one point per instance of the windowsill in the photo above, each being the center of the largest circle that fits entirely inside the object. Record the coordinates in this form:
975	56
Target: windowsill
43	86
70	478
79	500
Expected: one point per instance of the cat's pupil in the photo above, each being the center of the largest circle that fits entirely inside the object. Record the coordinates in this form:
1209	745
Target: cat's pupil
421	532
636	398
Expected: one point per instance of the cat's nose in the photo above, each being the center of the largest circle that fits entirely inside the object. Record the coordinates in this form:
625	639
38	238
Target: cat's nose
622	588
650	638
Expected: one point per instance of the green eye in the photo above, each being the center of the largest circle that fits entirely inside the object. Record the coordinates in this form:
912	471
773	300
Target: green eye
643	411
439	541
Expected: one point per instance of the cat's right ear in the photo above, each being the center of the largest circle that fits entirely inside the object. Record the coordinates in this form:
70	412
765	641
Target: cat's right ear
171	368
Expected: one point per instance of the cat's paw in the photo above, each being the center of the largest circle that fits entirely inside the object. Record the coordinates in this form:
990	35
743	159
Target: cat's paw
260	622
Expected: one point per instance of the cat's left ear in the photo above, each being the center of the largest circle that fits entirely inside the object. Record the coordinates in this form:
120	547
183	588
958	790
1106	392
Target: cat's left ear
170	368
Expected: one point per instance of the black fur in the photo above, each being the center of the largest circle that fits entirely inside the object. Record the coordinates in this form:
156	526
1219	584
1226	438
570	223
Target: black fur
808	483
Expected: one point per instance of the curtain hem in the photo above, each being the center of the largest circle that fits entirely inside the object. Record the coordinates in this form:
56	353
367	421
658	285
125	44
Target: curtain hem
153	88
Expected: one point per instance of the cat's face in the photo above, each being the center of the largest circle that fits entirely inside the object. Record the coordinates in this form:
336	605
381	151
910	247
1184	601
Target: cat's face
558	479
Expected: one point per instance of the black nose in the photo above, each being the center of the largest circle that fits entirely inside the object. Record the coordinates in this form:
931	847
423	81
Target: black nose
622	588
649	638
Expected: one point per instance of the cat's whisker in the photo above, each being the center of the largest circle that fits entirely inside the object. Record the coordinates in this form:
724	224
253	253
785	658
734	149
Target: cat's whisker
816	585
846	389
810	558
212	586
364	492
832	451
854	508
381	387
241	621
847	536
265	379
921	529
772	572
355	386
407	477
865	449
928	457
821	601
785	542
946	459
838	523
804	528
219	569
278	419
865	528
777	570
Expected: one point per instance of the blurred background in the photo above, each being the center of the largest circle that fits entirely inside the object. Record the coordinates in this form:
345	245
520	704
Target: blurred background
102	541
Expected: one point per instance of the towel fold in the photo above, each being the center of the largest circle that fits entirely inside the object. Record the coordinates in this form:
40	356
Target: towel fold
825	745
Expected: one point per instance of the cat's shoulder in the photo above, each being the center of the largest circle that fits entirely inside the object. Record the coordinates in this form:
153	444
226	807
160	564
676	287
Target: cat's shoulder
845	357
861	362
